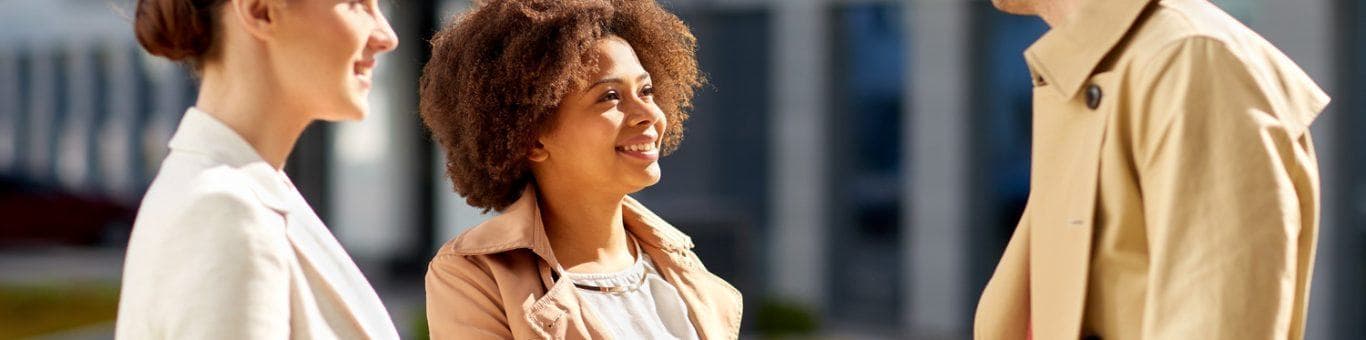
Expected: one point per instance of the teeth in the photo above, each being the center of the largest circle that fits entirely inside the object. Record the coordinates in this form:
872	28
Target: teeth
639	147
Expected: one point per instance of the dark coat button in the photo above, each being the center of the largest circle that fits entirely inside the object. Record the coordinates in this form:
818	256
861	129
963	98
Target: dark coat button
1093	95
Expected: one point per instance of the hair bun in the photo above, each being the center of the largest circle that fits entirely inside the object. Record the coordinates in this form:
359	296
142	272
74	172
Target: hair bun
179	30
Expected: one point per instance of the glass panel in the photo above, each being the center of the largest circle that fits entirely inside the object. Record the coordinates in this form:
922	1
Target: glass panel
866	97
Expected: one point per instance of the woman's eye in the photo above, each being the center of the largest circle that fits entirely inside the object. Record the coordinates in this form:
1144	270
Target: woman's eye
610	96
648	91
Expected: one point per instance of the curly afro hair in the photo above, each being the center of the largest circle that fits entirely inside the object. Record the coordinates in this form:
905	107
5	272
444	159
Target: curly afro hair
498	72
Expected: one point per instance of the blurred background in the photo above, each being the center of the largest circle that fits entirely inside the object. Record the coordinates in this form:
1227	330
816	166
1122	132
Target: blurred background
855	167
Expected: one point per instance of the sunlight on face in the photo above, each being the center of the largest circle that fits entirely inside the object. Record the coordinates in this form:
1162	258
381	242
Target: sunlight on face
326	54
607	135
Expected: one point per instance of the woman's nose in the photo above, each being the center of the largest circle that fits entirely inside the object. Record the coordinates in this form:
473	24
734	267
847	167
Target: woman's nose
641	112
383	39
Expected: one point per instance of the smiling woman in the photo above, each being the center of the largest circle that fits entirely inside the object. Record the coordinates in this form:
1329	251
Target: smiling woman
552	112
223	245
488	120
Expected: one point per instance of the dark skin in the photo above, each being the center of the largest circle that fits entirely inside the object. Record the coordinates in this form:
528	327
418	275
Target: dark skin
487	122
604	145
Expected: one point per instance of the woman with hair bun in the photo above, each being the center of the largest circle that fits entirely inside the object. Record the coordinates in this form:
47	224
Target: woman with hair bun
223	246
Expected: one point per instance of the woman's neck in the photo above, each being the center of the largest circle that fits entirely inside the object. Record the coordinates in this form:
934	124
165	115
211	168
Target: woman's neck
585	228
249	104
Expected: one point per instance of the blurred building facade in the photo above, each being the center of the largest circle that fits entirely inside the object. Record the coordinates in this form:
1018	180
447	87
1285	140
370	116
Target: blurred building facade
858	162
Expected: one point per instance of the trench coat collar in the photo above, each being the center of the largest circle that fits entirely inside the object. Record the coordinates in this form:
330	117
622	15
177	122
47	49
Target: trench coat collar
520	227
1066	55
201	133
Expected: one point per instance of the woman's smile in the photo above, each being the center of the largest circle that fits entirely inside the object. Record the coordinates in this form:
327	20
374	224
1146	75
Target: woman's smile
362	73
644	147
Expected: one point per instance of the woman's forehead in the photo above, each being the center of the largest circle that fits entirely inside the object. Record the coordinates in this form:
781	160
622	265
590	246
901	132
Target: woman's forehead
616	59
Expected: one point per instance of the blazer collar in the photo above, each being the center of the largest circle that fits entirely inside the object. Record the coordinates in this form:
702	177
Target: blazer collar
201	133
322	255
1066	56
319	252
520	227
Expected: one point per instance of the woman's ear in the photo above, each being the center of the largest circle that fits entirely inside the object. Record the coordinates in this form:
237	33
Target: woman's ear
257	17
538	153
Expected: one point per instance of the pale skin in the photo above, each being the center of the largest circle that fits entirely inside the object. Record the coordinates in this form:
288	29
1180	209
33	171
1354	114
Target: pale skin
604	144
277	65
1054	12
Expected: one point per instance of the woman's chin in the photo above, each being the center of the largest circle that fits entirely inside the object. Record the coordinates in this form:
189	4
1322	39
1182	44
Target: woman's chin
355	110
358	109
652	174
643	180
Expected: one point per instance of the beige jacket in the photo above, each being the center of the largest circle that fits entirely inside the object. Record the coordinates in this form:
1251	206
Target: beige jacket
495	281
224	248
1175	186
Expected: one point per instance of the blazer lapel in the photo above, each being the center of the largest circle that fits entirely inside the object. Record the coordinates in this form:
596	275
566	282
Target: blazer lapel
320	254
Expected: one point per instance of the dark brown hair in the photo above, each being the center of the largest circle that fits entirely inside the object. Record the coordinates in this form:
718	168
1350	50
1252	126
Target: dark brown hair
498	72
179	30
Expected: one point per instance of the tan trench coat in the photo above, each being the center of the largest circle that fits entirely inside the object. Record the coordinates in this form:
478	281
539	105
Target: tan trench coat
494	281
1175	190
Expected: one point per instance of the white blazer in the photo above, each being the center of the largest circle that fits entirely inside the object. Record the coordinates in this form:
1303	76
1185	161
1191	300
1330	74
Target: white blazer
224	247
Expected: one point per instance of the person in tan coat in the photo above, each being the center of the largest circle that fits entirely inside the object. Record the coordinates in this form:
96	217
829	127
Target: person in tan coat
552	113
1175	189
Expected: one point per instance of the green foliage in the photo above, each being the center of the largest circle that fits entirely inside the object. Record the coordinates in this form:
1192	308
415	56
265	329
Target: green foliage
32	310
777	318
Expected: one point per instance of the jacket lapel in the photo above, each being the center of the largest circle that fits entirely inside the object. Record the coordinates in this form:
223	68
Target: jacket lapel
551	315
1066	166
1068	135
519	226
672	253
321	255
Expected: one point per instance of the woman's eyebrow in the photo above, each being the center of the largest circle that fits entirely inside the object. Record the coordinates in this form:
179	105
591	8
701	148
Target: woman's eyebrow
617	80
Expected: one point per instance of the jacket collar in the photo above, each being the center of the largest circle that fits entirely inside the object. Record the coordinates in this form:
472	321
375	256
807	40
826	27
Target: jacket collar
520	227
1067	55
201	133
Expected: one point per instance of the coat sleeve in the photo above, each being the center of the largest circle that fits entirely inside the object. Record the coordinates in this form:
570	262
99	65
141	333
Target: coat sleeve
461	303
1229	193
226	276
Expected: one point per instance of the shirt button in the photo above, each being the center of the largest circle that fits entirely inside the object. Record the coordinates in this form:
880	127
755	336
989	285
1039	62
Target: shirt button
1093	95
